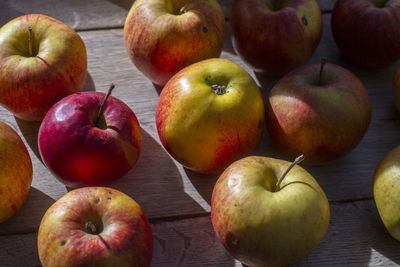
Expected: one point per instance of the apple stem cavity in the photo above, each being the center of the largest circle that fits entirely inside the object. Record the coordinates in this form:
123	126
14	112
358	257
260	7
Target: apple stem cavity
295	162
112	86
90	228
321	69
218	89
30	41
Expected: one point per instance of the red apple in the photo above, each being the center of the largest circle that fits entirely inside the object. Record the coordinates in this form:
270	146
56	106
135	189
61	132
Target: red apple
81	151
41	61
95	226
164	36
210	114
274	37
266	214
15	172
321	116
367	31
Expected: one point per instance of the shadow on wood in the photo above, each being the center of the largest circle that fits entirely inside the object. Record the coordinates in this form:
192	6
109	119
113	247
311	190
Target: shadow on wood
27	219
155	182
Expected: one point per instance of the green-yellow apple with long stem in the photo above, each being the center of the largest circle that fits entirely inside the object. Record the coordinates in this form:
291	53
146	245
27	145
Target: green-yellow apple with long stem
268	212
41	61
95	226
15	172
164	36
210	114
386	188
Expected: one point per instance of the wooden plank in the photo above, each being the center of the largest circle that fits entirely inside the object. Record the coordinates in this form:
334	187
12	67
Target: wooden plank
355	237
90	14
161	185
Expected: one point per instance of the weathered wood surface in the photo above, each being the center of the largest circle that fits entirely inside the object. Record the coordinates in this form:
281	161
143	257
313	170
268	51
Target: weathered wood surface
90	14
177	201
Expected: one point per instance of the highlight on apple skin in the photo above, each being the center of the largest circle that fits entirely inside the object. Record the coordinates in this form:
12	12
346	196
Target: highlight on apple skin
81	147
210	114
164	36
95	226
268	212
42	60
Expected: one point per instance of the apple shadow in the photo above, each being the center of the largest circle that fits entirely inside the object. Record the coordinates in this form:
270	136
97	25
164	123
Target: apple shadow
156	183
28	217
204	183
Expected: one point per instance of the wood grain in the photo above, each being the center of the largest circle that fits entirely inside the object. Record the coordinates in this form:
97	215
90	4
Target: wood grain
355	237
160	184
84	15
176	200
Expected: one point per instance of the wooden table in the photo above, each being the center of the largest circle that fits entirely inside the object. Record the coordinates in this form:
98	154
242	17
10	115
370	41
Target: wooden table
177	201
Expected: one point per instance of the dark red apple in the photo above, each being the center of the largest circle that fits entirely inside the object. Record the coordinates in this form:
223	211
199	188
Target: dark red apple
368	31
274	37
81	151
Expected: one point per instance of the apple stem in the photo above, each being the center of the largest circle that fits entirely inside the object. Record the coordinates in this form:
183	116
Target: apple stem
295	162
30	41
90	228
102	104
323	61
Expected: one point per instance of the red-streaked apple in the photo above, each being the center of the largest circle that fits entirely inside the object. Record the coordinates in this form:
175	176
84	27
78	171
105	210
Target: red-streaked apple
164	36
210	114
85	144
41	61
267	214
367	31
95	226
321	112
15	172
274	37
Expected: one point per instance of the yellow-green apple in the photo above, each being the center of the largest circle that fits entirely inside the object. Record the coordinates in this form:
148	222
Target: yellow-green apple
273	36
95	226
266	214
164	36
320	112
386	188
210	114
41	61
15	172
396	87
85	142
367	31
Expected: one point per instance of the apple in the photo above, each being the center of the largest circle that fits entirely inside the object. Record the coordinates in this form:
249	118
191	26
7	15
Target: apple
367	32
164	36
274	37
396	87
95	226
210	114
386	188
89	139
266	214
15	172
41	61
321	112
